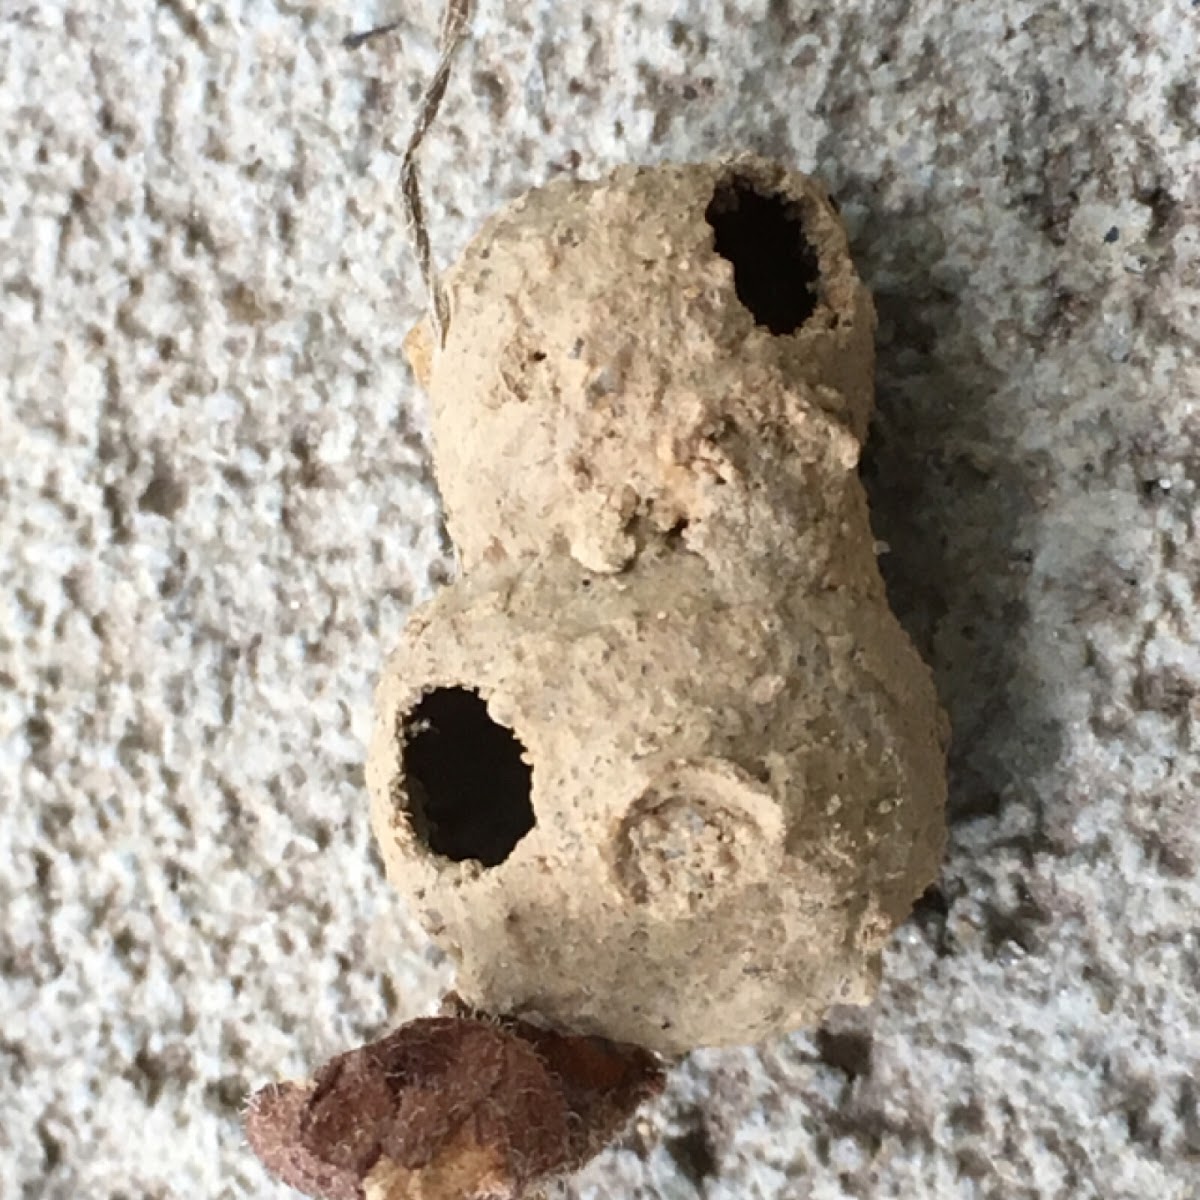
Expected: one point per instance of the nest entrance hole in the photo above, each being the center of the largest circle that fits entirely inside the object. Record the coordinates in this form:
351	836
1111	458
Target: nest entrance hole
468	785
775	268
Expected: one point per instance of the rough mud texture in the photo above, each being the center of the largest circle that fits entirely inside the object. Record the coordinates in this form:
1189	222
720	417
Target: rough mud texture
725	776
217	512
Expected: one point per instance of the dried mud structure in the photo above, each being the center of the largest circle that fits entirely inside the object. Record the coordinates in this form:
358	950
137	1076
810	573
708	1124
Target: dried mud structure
660	766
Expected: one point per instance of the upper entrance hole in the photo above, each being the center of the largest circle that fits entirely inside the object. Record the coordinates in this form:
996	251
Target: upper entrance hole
775	268
468	787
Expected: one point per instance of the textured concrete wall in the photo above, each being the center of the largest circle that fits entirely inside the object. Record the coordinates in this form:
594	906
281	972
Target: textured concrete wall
217	511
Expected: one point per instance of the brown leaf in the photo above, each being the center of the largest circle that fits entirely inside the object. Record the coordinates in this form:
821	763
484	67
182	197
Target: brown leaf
450	1108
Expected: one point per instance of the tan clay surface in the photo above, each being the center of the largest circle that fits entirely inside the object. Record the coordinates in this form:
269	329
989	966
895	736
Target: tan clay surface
727	779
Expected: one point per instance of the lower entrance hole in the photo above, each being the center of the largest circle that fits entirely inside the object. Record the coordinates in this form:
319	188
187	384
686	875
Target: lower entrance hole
468	786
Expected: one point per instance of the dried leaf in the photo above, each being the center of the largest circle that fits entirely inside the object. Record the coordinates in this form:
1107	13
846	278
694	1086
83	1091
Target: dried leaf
450	1108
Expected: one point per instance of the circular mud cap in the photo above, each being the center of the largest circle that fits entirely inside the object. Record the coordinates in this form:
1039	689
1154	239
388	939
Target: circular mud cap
699	831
